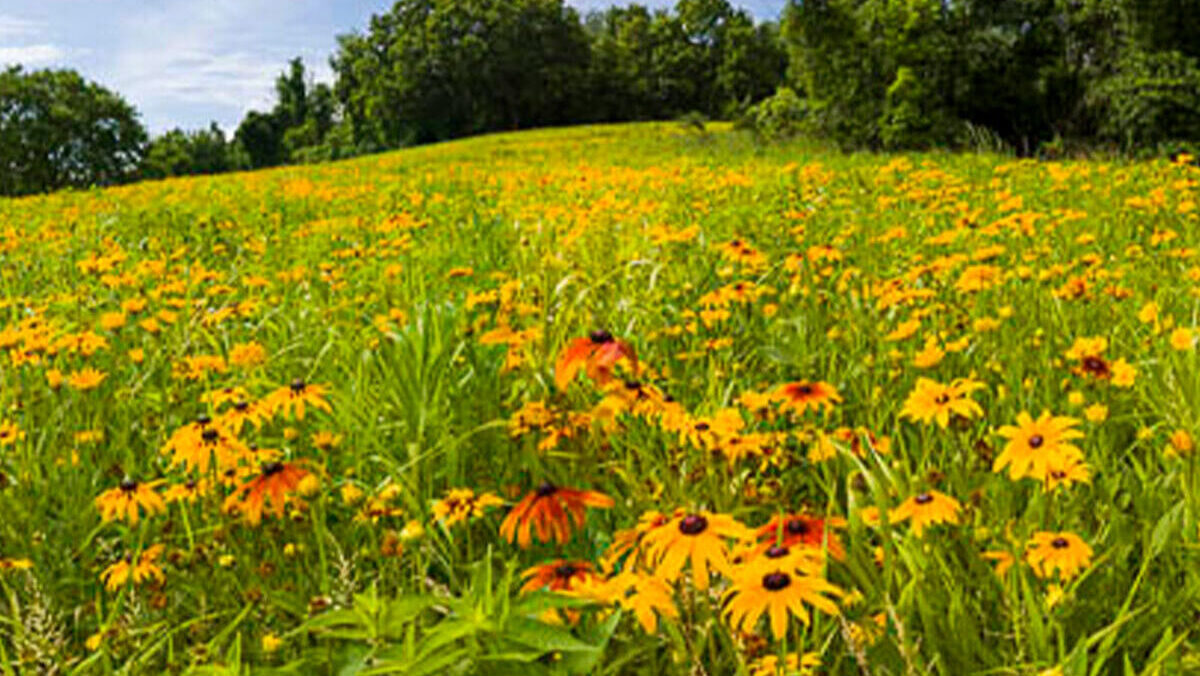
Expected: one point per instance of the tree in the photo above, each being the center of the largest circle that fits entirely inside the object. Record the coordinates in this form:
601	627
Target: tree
59	130
435	69
180	153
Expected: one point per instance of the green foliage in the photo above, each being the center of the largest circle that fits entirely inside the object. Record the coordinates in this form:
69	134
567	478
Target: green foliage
777	118
922	73
58	130
1153	99
181	153
485	630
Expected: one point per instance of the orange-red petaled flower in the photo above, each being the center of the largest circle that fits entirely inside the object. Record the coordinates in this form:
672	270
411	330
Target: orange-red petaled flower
276	481
560	575
599	352
549	510
803	530
803	395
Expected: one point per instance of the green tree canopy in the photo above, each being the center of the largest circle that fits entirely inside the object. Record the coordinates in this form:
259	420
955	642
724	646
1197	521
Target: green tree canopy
59	130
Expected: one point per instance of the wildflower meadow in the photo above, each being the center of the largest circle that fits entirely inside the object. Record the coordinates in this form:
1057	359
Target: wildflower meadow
628	399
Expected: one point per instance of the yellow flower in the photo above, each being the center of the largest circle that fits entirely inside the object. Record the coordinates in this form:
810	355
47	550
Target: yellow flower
699	538
1180	443
1149	313
86	379
1096	413
1034	444
247	355
1123	373
271	643
926	509
10	433
931	355
1063	553
932	401
413	530
1181	339
1004	561
129	499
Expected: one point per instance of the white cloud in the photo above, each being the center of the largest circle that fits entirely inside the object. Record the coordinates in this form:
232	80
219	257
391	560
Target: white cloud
32	55
17	27
222	58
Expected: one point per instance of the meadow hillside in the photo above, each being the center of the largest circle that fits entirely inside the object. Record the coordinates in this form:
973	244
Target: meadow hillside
619	400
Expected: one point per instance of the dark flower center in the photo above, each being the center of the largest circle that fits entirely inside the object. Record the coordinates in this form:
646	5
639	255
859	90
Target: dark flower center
546	489
776	581
701	427
1094	365
272	468
565	570
1060	543
1036	441
128	485
210	435
923	499
1058	474
203	419
241	406
600	336
693	524
776	552
942	399
804	390
796	527
190	485
298	385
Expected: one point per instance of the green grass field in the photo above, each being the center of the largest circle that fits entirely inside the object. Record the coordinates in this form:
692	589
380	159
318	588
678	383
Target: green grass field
614	400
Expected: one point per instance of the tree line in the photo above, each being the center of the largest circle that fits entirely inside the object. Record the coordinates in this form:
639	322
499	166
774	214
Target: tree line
1023	75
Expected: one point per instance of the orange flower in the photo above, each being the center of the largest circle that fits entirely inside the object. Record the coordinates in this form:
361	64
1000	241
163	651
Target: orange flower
550	510
560	575
276	480
802	395
803	530
599	352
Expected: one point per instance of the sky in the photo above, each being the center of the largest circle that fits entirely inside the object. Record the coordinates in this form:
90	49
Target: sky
184	63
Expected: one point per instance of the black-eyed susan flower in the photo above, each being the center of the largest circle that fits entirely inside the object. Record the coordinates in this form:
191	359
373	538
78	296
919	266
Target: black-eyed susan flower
138	569
462	504
1064	554
926	509
126	501
293	399
85	379
801	396
1034	444
549	511
10	433
699	538
931	401
276	483
793	664
188	491
15	564
778	594
803	530
597	354
1088	355
560	575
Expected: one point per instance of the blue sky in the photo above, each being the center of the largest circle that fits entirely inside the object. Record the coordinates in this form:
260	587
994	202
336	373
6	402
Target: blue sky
186	62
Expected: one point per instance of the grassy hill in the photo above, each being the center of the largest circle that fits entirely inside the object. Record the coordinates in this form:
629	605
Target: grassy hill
621	399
